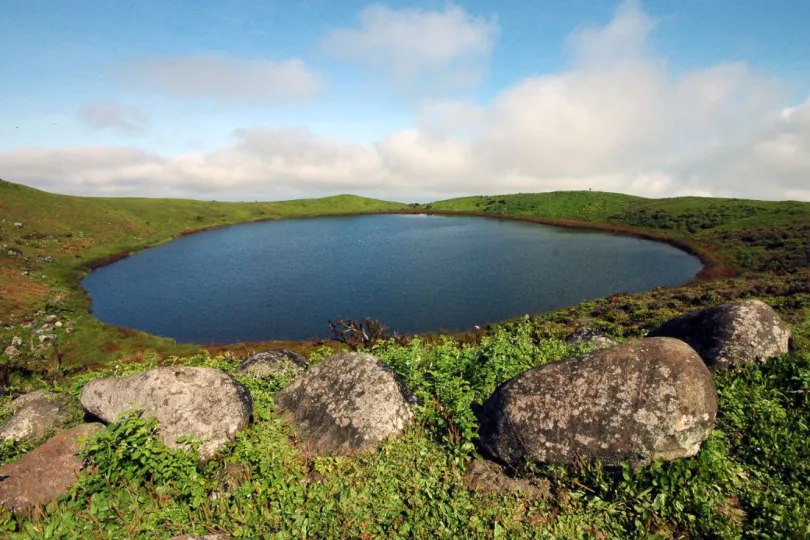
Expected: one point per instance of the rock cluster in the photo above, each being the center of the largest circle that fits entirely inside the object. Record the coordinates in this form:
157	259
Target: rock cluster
643	400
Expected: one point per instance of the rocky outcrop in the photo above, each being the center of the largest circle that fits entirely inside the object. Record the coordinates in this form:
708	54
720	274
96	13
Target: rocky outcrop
276	363
348	403
203	403
731	334
643	400
35	415
45	473
587	335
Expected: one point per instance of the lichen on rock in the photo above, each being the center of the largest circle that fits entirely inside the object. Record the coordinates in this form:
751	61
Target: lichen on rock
731	334
640	401
348	403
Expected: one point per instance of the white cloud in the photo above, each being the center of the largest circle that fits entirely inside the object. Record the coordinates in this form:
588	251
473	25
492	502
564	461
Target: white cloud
442	49
227	79
115	116
622	39
617	119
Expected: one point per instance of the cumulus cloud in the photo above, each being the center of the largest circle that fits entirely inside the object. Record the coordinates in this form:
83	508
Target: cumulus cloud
119	117
227	79
442	49
616	119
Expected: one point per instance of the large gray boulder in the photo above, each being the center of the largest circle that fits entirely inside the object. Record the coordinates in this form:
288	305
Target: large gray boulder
203	403
275	363
46	472
348	403
731	334
640	401
35	415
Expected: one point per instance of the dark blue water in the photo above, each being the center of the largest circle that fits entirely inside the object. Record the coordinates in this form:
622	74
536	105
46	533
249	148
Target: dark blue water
284	280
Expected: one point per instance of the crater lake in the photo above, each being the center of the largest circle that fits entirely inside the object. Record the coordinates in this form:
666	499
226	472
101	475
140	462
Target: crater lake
284	280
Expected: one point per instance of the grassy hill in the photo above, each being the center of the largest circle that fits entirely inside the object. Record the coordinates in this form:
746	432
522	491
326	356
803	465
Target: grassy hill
750	479
736	234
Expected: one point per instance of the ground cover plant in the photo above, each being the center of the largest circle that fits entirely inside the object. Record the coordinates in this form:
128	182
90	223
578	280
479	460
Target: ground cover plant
750	479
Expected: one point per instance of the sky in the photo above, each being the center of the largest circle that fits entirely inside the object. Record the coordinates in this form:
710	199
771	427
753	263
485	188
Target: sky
406	100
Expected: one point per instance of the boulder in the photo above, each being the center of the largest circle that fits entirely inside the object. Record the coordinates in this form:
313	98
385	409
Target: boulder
45	473
35	415
348	403
588	335
639	401
203	403
276	363
731	334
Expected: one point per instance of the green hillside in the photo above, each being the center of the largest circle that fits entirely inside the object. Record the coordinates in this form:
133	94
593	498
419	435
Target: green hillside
743	235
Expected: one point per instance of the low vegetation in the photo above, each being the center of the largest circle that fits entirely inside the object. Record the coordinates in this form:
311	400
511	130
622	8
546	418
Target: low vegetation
750	479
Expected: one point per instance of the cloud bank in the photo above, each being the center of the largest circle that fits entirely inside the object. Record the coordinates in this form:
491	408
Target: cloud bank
616	119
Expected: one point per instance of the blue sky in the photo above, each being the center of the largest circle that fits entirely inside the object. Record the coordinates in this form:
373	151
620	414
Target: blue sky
408	100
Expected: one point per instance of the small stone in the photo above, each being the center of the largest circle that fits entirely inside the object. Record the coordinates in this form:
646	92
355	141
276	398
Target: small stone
46	338
11	351
51	319
587	335
58	324
18	225
276	363
35	415
16	341
488	477
204	537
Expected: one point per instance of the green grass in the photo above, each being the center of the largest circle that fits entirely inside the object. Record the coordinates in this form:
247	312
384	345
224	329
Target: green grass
586	205
751	477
